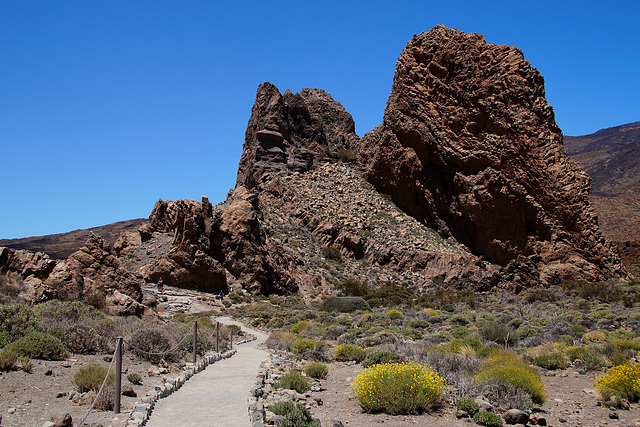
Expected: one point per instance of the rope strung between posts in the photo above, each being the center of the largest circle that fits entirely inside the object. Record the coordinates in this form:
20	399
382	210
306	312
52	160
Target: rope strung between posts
163	352
101	387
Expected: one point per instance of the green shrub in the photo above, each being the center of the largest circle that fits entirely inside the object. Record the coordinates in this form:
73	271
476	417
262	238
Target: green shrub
378	388
316	370
349	352
300	327
509	368
499	333
295	415
447	299
302	345
529	330
134	379
91	377
468	405
622	381
618	358
390	296
331	252
541	295
376	356
489	419
623	345
38	345
294	380
552	361
354	288
586	354
8	359
344	304
81	327
26	364
16	321
282	408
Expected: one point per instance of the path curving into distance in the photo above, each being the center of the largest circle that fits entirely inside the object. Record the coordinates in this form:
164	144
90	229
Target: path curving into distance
218	395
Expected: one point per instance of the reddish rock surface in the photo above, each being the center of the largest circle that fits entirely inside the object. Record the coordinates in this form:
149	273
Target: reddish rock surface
292	133
469	145
207	241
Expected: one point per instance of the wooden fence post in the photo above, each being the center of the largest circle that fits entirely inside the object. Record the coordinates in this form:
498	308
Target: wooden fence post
195	341
119	348
217	337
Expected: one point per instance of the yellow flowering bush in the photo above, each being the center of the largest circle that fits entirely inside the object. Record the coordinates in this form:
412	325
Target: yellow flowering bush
394	314
511	369
622	381
398	388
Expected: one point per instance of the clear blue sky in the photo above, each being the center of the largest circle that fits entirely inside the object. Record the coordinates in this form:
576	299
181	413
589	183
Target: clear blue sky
107	106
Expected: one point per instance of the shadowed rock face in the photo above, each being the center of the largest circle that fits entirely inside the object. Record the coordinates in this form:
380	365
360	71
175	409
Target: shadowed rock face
470	146
292	133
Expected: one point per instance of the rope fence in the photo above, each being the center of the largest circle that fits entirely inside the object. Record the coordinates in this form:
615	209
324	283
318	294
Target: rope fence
119	352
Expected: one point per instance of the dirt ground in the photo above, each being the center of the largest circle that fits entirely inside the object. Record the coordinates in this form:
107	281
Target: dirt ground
572	402
31	399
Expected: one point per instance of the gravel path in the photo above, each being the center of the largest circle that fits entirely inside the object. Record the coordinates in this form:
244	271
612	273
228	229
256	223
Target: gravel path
218	395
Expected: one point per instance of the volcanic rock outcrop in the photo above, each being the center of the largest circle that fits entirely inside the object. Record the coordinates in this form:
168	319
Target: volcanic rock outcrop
292	133
469	146
91	275
210	241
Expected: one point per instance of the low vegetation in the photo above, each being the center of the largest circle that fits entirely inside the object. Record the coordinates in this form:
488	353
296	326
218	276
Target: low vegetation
379	387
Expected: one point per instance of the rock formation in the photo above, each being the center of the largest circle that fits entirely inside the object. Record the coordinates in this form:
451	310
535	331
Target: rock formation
91	274
292	133
208	242
469	146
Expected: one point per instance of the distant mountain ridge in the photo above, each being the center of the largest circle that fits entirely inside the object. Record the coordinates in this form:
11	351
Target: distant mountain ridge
60	246
611	157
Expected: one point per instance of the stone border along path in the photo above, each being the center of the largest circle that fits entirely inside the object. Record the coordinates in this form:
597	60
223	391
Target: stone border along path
217	396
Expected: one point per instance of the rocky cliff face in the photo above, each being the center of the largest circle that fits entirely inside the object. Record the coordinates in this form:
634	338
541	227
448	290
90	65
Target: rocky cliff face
470	146
292	133
209	242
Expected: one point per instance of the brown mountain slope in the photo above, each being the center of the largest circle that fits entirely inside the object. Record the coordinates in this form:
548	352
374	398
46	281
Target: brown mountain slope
612	158
60	246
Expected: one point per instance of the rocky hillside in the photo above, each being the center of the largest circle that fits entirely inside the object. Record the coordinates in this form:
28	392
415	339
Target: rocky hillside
465	184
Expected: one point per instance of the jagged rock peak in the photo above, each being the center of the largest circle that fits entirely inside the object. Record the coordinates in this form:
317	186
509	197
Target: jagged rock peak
292	133
469	145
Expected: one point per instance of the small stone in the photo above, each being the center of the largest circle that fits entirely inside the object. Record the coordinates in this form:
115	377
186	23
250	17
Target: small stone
516	416
61	394
63	419
614	415
129	391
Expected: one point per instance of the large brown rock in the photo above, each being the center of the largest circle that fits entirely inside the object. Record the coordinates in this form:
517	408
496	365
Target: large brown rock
93	275
208	242
469	145
292	133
